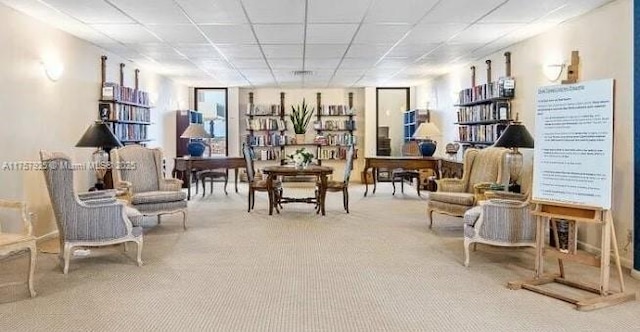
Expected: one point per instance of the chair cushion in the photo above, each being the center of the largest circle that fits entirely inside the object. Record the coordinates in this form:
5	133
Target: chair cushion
335	185
211	174
134	215
10	238
465	199
472	215
158	197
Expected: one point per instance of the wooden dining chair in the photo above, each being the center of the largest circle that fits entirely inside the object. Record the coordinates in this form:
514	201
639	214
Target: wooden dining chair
258	184
339	186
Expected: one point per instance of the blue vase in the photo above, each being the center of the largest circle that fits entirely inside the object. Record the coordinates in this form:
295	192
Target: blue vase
196	149
427	148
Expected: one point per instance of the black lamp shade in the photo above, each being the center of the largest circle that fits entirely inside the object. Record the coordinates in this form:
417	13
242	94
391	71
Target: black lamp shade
515	136
98	135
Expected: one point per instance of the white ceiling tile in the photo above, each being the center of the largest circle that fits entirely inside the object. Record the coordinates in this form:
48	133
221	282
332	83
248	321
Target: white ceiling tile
157	51
330	33
381	33
197	50
275	11
399	11
411	50
393	63
250	64
350	72
373	51
152	11
484	33
213	64
285	63
337	11
315	64
449	52
216	12
229	34
573	9
357	63
241	51
282	51
460	11
279	33
126	33
90	11
178	33
523	11
320	51
434	32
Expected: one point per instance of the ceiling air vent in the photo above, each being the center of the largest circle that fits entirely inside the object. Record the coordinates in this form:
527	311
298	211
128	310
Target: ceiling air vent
302	72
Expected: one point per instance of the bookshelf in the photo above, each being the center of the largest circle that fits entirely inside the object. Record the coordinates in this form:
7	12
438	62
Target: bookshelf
484	111
335	126
266	129
126	110
411	119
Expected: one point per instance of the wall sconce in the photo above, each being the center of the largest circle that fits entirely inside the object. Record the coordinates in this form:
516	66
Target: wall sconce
53	69
553	71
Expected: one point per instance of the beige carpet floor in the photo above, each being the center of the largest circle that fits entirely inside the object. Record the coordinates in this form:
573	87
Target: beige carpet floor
378	268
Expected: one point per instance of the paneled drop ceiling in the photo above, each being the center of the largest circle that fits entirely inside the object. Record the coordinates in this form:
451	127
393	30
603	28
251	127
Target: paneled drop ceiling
344	43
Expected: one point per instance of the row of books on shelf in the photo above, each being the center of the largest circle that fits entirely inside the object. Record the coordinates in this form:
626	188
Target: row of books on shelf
266	124
481	133
113	91
503	88
120	112
273	139
129	132
345	139
336	110
485	112
340	153
273	110
268	154
334	125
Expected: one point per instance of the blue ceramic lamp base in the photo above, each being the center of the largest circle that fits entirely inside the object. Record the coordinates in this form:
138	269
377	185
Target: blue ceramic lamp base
196	149
427	148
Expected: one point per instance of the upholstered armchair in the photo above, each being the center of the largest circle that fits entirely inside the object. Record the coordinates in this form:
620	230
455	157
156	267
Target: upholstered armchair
138	170
88	220
503	220
17	242
455	196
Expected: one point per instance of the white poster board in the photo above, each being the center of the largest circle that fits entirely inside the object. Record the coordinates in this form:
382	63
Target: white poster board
573	157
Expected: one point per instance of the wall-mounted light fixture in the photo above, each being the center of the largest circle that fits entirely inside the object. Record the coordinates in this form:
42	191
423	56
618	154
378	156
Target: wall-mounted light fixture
553	71
53	69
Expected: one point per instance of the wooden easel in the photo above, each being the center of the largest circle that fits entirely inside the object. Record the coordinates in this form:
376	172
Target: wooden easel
546	212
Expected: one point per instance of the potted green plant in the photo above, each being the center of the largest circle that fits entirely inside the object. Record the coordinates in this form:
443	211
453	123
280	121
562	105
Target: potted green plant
300	117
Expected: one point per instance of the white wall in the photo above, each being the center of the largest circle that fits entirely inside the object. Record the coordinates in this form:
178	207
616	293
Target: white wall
604	39
40	114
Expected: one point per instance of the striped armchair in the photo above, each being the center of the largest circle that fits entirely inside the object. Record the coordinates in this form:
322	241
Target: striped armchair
87	220
503	220
455	196
138	170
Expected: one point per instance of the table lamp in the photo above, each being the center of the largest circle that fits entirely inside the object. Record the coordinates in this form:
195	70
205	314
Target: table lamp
195	131
100	136
514	137
424	133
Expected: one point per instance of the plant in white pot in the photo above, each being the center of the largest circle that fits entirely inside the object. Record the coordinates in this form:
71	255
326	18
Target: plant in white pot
300	117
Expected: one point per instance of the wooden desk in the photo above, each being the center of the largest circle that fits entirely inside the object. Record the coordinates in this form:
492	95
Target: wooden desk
187	164
319	171
398	162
